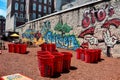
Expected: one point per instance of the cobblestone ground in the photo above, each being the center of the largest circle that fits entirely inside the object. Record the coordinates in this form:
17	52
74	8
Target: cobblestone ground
26	64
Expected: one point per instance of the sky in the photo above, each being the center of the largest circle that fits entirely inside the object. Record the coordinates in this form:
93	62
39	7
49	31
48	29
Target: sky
3	7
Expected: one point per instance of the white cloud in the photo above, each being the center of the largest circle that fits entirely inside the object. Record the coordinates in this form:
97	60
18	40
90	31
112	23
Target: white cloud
3	12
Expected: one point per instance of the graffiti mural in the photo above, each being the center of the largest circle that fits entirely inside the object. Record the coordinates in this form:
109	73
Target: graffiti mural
46	27
87	31
110	40
115	22
97	15
63	28
32	36
92	40
66	41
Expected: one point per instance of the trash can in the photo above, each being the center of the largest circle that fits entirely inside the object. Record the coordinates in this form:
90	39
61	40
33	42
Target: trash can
11	48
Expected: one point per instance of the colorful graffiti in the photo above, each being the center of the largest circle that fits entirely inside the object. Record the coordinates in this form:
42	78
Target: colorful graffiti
63	28
32	36
110	40
115	22
92	40
46	27
87	31
66	41
93	15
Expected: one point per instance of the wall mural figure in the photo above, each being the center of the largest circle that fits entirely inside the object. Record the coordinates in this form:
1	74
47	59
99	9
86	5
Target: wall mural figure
90	17
110	41
92	40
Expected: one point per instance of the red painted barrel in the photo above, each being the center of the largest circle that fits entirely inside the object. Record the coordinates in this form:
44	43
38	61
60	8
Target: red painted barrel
80	54
51	47
44	47
46	66
92	53
66	61
17	48
23	48
11	48
58	62
98	53
42	53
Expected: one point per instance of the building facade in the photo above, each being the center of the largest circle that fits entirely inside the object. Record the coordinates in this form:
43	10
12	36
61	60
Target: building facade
59	3
21	11
2	25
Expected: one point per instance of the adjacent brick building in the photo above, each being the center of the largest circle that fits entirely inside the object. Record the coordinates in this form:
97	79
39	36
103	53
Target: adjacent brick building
2	25
21	11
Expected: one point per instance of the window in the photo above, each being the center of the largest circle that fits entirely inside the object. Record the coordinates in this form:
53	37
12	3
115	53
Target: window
16	14
40	1
50	2
21	7
45	1
16	6
45	9
49	10
21	15
39	8
34	6
22	0
34	16
39	15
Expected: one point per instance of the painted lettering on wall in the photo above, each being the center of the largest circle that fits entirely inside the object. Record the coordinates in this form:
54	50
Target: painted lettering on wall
66	41
96	15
